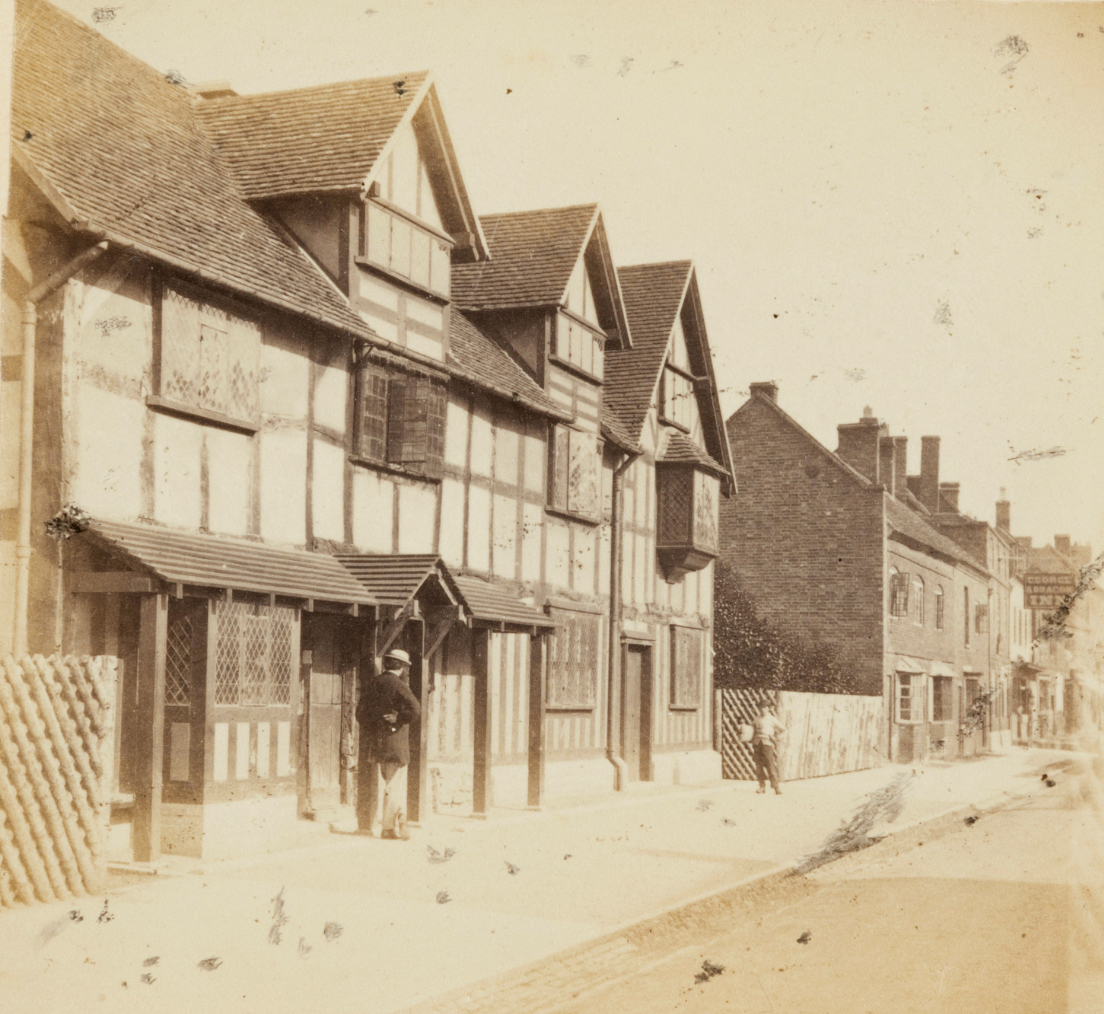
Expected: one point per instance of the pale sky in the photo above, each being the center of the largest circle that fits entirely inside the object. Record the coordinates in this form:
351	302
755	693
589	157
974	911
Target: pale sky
895	205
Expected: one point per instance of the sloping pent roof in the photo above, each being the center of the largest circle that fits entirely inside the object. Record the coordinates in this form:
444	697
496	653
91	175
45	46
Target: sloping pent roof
489	602
682	450
395	579
216	562
121	153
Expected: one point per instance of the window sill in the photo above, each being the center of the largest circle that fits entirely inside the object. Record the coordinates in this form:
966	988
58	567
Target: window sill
674	425
177	408
385	466
684	707
407	283
566	364
571	516
578	709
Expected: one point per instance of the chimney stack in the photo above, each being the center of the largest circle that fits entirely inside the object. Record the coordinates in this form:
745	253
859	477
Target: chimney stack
765	389
1062	545
948	497
887	464
859	445
928	493
1004	512
900	478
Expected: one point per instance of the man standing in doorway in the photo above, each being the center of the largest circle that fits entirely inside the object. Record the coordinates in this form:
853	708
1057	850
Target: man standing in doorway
764	743
385	710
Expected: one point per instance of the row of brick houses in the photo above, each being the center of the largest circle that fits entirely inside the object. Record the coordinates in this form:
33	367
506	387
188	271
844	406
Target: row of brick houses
841	573
306	405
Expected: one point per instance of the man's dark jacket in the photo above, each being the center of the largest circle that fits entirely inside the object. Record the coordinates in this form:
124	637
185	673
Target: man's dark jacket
381	695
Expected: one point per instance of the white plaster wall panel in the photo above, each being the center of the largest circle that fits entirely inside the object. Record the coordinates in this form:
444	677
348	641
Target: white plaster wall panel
9	444
456	431
452	522
559	554
628	589
384	328
505	537
432	348
651	567
628	500
116	326
536	463
229	481
604	543
377	291
331	384
607	488
481	446
285	379
584	561
640	568
690	593
417	517
506	454
479	528
107	480
222	751
532	523
649	477
328	495
283	486
705	591
373	508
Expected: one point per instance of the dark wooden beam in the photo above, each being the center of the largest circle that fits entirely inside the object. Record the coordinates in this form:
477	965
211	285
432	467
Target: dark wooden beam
113	582
417	777
440	623
150	727
367	801
538	679
481	773
394	628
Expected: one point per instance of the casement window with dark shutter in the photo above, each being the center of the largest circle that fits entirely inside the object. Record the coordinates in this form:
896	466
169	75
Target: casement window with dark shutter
686	667
573	472
942	699
401	420
898	593
573	660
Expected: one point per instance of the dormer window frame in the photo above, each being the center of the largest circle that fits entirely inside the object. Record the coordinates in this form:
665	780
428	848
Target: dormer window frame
565	362
439	260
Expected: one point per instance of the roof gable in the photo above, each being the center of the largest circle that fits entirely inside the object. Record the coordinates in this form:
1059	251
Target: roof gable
664	308
121	153
339	138
533	255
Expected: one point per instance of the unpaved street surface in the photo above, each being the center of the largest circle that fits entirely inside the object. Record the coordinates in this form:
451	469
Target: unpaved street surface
1001	915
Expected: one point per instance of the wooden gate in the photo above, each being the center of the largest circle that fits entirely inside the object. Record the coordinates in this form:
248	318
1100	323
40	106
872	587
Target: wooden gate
736	708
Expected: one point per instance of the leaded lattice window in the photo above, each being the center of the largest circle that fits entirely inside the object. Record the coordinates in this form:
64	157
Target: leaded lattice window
185	650
401	420
210	357
686	667
675	505
573	659
254	655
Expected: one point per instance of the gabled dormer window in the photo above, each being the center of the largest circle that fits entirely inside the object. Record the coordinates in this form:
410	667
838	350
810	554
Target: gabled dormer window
677	404
578	346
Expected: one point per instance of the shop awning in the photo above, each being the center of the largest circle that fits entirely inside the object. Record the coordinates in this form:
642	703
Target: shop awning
905	663
489	603
212	561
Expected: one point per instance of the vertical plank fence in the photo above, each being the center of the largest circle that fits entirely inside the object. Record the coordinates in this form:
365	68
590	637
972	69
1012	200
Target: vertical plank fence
826	734
57	737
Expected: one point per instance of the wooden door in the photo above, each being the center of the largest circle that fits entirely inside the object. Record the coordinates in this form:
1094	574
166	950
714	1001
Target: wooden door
325	714
631	684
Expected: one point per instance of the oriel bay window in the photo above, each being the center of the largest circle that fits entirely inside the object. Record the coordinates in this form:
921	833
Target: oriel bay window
573	472
687	502
400	420
206	357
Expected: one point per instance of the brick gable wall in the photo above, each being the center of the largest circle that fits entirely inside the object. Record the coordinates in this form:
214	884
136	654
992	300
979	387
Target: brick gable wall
806	542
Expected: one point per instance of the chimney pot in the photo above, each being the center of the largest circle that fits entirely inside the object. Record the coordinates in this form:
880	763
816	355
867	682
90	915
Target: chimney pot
928	493
765	389
900	476
1062	544
1004	513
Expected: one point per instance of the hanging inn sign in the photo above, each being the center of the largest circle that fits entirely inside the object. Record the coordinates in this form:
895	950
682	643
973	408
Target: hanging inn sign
1046	590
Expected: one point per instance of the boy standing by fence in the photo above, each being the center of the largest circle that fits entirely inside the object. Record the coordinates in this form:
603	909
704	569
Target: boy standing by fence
764	744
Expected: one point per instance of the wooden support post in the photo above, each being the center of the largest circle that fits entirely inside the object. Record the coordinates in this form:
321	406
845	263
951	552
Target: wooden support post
150	726
418	774
538	677
482	793
367	801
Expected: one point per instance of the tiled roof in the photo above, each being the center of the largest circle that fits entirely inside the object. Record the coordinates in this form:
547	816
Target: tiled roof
652	294
532	256
682	450
490	602
912	526
480	360
616	431
216	562
124	150
309	139
393	580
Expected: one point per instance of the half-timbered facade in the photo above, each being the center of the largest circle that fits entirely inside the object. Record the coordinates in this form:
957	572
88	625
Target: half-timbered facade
280	427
